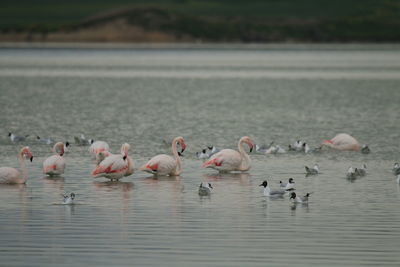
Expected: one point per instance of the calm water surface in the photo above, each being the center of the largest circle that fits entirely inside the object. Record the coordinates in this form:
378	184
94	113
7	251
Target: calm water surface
211	96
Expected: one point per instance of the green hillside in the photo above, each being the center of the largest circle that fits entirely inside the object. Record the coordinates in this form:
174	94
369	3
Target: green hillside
213	21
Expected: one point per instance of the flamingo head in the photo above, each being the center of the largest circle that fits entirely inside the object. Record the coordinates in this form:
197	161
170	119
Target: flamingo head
179	140
27	153
59	148
125	149
248	141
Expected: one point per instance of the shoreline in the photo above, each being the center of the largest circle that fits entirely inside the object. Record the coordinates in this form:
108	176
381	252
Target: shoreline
200	46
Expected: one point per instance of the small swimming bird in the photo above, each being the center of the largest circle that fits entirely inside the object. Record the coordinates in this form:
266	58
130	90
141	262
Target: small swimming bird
10	175
66	145
289	186
202	155
296	199
231	160
213	150
351	173
55	165
68	199
365	149
362	171
205	189
396	169
272	193
298	145
306	148
15	138
82	141
342	142
262	149
313	171
47	141
164	164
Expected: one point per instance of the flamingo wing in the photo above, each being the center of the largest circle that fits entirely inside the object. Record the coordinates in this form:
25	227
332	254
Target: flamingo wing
7	175
111	164
160	164
226	159
54	163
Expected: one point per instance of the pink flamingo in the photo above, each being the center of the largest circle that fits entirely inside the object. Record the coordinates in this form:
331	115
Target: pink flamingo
164	164
98	147
231	160
114	167
10	175
342	141
55	165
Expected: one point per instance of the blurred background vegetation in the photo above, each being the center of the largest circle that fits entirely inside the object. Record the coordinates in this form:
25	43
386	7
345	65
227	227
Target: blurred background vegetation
253	21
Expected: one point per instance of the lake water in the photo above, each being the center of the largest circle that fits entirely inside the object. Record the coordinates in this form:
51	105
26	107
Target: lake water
209	96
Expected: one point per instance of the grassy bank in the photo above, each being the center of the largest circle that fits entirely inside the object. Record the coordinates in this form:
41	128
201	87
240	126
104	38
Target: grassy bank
201	21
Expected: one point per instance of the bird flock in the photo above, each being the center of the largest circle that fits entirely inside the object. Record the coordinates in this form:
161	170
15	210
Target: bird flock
120	165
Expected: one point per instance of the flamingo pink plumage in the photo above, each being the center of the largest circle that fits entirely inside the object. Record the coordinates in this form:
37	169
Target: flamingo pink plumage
115	167
98	147
231	160
55	165
342	141
10	175
164	164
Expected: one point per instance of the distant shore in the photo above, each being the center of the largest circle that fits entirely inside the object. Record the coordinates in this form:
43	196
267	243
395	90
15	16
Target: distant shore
222	46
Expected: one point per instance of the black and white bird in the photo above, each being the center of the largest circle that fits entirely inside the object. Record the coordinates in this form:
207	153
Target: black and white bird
365	149
352	173
203	154
205	189
396	169
68	199
312	171
272	193
15	138
362	171
306	148
82	141
44	141
289	186
296	199
213	150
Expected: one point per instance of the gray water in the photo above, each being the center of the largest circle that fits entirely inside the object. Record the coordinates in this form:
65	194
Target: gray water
146	97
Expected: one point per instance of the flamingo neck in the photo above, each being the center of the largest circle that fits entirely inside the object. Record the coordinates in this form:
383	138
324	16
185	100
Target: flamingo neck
245	165
22	165
178	168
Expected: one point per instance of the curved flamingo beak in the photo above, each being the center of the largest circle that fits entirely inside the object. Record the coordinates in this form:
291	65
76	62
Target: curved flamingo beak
183	146
250	146
30	156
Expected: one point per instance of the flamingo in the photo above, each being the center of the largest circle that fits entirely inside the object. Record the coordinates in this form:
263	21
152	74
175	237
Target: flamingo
164	164
114	167
97	147
55	165
10	175
342	142
231	160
